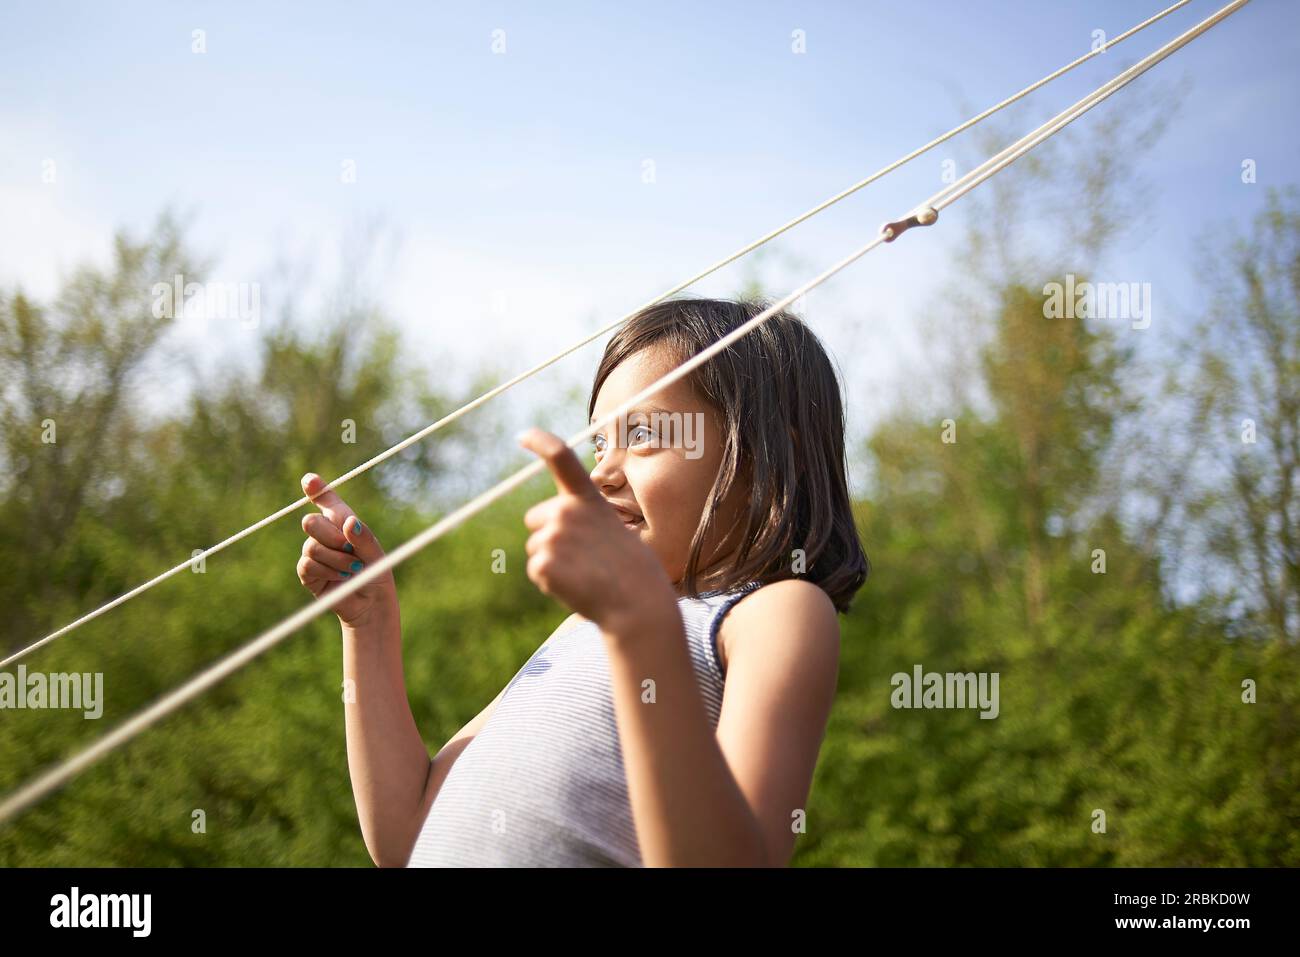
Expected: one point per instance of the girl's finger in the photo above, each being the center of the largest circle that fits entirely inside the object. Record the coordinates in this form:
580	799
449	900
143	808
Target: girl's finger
336	559
541	513
364	544
324	531
566	469
334	508
538	540
311	570
312	583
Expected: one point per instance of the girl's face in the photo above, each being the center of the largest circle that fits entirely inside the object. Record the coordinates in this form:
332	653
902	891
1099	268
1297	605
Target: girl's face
658	465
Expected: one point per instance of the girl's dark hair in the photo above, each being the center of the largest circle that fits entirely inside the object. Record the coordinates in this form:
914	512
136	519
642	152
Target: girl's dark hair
783	429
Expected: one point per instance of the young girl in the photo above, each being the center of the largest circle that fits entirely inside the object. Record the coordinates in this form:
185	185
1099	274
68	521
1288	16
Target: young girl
675	718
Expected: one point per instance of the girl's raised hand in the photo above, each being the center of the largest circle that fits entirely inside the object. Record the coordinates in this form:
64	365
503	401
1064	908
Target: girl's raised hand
581	553
338	546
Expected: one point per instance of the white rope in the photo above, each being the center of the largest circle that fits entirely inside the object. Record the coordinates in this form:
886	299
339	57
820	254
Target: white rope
510	383
955	191
69	768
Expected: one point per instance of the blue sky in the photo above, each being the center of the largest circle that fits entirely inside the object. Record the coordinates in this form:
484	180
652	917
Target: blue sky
511	184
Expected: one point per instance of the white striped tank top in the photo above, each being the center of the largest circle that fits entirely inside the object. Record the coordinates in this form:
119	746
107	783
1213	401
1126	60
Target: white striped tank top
542	783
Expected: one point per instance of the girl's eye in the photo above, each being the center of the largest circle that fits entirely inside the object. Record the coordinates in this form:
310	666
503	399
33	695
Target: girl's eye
639	434
598	443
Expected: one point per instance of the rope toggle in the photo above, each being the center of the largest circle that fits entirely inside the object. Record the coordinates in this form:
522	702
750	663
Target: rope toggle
922	217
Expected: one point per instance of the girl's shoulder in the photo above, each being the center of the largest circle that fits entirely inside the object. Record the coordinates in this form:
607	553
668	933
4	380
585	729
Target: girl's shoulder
572	621
793	607
799	594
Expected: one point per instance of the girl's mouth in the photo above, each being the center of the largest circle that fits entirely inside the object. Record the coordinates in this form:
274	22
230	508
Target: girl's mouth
629	519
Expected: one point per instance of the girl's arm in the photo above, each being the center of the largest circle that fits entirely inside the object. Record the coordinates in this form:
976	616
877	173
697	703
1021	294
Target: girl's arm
387	760
733	798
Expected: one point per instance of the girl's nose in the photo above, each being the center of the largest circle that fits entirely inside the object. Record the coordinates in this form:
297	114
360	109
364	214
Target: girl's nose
608	473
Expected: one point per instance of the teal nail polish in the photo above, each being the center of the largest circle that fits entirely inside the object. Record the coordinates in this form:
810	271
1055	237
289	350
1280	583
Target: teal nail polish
356	566
356	526
345	574
347	546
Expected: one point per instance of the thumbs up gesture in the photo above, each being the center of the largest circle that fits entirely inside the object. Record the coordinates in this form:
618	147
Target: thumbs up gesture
580	551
